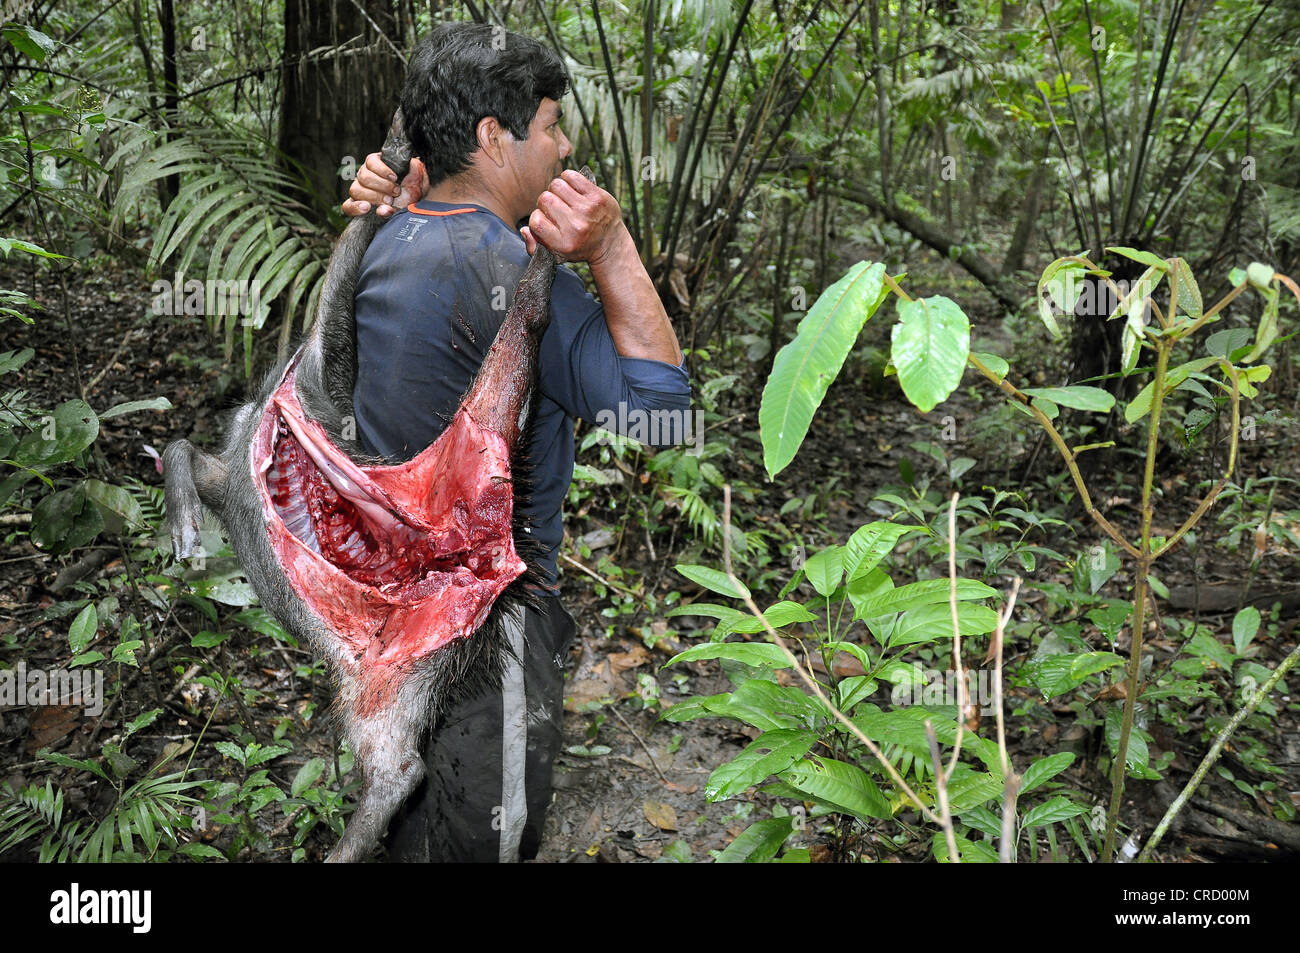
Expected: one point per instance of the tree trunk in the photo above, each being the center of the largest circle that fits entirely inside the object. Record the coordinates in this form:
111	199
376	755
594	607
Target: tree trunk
341	82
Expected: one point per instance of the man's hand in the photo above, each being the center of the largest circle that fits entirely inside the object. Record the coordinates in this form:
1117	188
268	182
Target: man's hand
376	185
580	221
576	219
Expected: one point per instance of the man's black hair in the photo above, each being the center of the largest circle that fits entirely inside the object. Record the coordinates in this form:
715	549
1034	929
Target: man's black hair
462	72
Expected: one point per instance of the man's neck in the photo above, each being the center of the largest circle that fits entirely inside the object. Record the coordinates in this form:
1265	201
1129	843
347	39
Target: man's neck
470	190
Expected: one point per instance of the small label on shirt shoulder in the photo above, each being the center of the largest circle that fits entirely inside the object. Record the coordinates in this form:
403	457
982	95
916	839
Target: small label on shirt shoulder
409	229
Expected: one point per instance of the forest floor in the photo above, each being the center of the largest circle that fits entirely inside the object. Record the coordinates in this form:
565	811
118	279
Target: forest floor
629	787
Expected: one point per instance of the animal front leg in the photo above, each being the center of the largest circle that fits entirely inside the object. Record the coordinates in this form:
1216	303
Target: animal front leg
191	479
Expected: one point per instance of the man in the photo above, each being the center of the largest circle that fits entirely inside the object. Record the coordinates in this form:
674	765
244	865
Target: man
482	111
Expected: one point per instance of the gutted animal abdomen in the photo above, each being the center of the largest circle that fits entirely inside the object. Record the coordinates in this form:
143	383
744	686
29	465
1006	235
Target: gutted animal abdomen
397	561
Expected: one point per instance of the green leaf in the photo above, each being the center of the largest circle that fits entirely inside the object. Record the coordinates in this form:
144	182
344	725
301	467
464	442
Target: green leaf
124	652
116	500
759	842
852	690
206	639
72	429
1044	769
1232	343
933	622
230	750
850	648
1110	619
825	569
13	360
153	403
1059	285
972	791
262	622
1059	808
1138	753
1056	674
83	630
972	852
32	42
751	653
767	706
1143	257
1189	293
1266	333
869	545
65	520
778	615
804	368
1244	626
259	755
930	344
1078	397
994	363
915	594
715	580
1140	406
707	610
1049	409
770	753
842	787
1207	647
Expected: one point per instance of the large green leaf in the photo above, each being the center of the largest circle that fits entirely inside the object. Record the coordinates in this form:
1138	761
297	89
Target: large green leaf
925	592
825	569
805	367
1059	808
971	851
1056	674
932	622
768	754
1044	769
869	545
767	706
59	439
65	520
1080	398
751	653
781	614
715	580
931	342
842	787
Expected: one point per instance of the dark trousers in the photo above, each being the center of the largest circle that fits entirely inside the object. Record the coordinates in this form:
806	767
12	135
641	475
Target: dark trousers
483	782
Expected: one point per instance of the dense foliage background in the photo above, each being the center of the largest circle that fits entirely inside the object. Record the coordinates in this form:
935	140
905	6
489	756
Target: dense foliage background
170	184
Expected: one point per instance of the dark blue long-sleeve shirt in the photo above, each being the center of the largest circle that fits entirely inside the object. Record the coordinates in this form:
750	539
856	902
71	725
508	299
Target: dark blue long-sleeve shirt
434	287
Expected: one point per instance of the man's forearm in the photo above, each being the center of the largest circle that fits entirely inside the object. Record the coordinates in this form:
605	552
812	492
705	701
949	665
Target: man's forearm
635	315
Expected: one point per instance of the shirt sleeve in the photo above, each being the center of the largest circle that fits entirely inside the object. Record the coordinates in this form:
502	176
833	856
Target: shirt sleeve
582	371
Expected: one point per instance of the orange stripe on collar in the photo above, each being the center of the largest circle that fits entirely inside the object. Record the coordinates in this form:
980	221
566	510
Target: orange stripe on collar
451	211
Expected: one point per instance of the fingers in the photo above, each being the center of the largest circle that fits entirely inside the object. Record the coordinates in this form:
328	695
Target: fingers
542	229
529	240
376	168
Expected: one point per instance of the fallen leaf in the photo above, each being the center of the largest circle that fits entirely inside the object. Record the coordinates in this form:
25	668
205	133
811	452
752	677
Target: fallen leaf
661	815
52	722
622	661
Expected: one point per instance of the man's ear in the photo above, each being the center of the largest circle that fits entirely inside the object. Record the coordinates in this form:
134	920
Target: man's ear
492	138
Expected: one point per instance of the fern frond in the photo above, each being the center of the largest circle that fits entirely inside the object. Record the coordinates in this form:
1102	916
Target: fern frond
232	211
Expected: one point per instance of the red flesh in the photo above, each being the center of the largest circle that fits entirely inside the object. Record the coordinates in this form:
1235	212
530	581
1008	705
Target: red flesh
410	557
